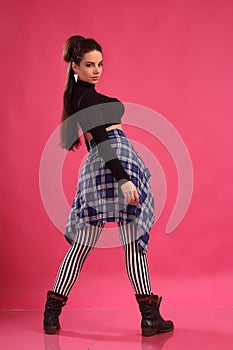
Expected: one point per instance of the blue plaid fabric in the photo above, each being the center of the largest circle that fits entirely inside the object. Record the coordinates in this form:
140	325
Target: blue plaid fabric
99	199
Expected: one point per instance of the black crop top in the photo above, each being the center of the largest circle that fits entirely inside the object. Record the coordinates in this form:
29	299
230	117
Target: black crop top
96	112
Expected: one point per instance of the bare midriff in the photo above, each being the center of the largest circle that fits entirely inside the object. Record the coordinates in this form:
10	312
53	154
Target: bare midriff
114	126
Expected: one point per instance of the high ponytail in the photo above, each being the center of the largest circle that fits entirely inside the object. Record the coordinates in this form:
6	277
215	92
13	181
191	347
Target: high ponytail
74	50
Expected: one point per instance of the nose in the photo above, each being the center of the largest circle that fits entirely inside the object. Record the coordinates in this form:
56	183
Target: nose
96	70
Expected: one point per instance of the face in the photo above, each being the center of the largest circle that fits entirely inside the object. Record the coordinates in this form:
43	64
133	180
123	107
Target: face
90	67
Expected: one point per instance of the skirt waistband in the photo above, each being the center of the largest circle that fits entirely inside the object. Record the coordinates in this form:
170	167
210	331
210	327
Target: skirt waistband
111	133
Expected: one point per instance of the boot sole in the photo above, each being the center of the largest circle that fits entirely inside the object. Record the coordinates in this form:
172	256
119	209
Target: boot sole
147	332
51	329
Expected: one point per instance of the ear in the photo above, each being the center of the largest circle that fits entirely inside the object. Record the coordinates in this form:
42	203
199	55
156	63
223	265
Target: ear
74	66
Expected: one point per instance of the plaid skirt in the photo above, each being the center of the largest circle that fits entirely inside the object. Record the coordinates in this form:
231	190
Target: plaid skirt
99	199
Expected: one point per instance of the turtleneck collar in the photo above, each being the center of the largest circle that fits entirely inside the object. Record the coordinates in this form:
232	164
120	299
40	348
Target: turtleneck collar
85	84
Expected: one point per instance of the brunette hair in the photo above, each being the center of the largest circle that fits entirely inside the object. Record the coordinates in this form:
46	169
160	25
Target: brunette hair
74	50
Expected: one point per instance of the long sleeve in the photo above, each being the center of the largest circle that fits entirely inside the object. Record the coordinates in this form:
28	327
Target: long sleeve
108	154
92	120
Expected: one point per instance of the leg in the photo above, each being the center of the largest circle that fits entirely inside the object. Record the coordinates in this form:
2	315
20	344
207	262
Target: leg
67	275
138	272
75	257
136	261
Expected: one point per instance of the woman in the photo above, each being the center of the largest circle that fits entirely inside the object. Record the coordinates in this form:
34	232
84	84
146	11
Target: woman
113	186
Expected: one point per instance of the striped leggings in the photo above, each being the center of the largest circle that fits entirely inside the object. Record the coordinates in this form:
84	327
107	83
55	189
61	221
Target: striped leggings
136	261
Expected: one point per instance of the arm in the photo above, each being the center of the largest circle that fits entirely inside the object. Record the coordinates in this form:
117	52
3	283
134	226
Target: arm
94	121
108	154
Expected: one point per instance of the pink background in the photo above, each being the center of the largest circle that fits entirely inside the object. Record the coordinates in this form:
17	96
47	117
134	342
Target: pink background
172	56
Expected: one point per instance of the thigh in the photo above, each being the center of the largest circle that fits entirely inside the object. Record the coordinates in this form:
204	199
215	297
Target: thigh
89	235
128	233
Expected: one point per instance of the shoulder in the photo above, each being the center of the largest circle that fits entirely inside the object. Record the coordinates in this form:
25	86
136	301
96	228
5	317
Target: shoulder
92	97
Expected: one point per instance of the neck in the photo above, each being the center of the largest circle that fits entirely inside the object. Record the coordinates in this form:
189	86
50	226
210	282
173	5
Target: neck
85	84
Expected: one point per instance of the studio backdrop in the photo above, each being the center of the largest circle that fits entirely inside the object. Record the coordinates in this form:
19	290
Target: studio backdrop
171	64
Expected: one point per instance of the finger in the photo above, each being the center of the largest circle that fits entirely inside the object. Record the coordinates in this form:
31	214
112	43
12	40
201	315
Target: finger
131	199
127	197
134	200
136	196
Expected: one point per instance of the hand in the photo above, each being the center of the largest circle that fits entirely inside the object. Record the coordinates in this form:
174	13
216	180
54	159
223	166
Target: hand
130	192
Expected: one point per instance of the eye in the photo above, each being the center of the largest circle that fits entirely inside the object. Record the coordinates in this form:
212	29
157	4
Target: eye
88	64
101	64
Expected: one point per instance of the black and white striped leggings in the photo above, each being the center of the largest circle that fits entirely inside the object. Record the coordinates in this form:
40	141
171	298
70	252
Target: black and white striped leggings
136	261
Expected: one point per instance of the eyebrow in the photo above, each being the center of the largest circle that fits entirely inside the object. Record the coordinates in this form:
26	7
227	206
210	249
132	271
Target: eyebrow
94	62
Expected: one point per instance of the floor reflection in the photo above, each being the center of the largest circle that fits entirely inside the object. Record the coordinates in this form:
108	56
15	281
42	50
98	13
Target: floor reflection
117	329
51	342
156	342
